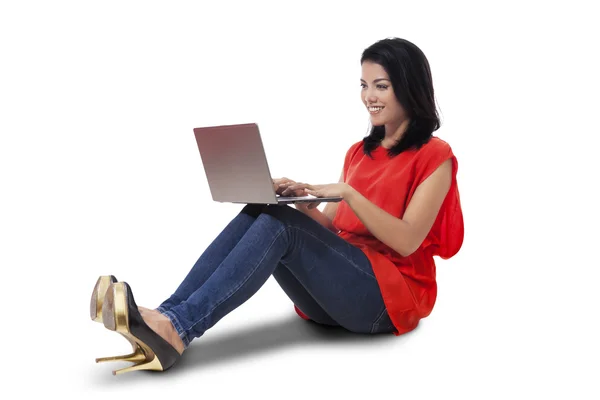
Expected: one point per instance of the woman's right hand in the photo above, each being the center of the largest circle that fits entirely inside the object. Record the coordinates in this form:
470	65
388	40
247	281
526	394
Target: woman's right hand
281	185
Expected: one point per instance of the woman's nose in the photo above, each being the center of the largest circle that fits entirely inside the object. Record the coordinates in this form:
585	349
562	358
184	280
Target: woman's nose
370	97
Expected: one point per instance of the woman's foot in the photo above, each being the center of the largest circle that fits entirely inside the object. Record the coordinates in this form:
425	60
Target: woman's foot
163	327
143	310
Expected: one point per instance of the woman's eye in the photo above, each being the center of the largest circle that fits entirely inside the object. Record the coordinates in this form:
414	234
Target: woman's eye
382	87
362	85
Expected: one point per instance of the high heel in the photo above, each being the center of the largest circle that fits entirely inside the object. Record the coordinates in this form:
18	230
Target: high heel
137	356
96	302
120	314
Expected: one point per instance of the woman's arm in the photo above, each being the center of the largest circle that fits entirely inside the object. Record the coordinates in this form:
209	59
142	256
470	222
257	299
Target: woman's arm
324	217
406	234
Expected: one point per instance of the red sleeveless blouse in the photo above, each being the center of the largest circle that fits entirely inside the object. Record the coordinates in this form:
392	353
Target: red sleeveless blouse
408	284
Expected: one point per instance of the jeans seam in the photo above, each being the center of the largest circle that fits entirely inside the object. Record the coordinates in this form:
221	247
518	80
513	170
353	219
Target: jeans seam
232	292
351	262
378	320
161	309
313	297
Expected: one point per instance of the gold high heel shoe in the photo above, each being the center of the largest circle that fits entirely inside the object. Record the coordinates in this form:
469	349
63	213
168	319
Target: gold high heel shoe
102	284
121	314
98	293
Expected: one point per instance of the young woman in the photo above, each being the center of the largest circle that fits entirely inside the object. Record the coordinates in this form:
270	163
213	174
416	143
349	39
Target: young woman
365	264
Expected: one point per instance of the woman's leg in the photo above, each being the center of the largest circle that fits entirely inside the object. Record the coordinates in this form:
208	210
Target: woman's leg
220	248
301	297
336	274
214	255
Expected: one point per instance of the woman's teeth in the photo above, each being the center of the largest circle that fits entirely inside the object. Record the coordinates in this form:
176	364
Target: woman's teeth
375	110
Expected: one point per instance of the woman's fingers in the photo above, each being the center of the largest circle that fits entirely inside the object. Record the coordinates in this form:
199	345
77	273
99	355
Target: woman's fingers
299	186
281	189
294	188
281	184
290	192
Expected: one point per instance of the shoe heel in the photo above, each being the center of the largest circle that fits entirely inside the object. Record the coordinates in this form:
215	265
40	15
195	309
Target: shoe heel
97	298
152	365
115	316
138	355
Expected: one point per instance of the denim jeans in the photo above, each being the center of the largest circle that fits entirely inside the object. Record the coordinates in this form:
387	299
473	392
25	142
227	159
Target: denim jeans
327	278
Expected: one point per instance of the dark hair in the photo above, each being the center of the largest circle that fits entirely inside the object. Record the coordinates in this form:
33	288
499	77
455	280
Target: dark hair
410	74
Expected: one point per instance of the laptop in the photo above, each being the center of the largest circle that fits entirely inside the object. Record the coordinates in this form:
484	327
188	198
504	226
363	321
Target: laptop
236	166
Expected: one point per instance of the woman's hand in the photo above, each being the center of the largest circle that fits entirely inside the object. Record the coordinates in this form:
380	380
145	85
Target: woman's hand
291	188
281	187
329	190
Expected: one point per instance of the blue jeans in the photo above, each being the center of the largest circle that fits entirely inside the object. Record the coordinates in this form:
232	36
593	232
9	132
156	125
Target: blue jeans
327	278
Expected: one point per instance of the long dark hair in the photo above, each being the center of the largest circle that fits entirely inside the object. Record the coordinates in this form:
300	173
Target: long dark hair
410	74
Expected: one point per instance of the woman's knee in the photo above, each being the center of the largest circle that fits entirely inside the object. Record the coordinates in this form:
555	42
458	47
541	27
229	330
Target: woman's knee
286	214
277	211
253	210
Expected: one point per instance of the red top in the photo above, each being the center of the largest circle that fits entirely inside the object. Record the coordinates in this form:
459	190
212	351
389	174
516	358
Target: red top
407	284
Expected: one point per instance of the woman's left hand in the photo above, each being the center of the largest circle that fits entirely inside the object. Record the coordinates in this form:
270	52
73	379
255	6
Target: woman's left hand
330	190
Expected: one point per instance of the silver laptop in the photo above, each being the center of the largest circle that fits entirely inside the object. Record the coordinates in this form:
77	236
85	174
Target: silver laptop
236	166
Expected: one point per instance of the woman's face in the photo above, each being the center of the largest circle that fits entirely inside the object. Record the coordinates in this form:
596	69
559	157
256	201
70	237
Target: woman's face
378	96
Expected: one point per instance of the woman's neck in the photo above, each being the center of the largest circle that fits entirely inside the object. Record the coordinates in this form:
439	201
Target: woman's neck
393	133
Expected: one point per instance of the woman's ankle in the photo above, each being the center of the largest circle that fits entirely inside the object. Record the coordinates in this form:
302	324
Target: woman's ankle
163	327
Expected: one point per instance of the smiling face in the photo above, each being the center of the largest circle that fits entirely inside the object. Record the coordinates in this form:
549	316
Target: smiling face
378	96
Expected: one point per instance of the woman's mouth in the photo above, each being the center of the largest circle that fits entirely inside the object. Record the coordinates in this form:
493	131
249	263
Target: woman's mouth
375	110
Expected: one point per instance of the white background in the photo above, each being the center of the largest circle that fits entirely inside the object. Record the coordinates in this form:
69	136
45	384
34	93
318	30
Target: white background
100	174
